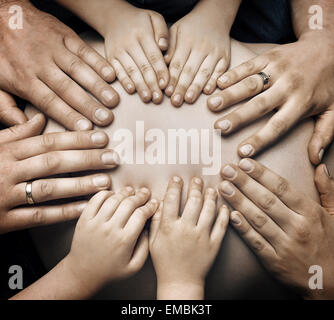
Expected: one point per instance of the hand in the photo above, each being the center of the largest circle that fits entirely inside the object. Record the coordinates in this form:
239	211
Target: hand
47	64
132	40
109	242
199	52
298	87
10	114
46	156
287	230
184	248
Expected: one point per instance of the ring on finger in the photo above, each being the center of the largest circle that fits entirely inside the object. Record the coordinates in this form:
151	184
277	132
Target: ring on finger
29	198
265	78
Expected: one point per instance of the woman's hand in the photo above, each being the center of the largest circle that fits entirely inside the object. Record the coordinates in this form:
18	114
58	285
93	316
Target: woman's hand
184	248
287	230
47	64
26	157
199	51
298	87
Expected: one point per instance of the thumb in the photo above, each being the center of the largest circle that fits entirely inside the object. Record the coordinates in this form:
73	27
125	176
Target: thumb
29	129
155	223
325	186
322	136
160	31
10	114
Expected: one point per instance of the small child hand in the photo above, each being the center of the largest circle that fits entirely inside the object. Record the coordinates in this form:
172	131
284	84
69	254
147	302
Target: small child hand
184	248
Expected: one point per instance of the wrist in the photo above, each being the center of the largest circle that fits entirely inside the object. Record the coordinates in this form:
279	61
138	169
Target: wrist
181	290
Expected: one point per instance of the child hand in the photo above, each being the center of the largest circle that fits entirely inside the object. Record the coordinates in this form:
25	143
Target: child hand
184	248
134	39
198	54
109	242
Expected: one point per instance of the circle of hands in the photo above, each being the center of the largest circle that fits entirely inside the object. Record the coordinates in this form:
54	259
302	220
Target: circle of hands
47	64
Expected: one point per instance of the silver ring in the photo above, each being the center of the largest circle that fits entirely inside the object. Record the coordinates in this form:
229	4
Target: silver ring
265	77
29	197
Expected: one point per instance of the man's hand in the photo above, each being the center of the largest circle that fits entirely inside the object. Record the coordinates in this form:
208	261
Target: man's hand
47	64
300	86
287	230
10	114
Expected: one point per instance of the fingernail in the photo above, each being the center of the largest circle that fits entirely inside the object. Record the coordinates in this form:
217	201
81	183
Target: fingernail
81	207
144	190
247	150
154	201
210	191
170	90
101	114
129	189
190	95
215	102
229	172
145	94
246	165
101	181
227	189
83	125
177	99
107	71
224	125
321	154
163	43
162	83
176	179
129	87
99	138
235	218
108	96
223	79
208	88
327	171
198	181
110	158
156	96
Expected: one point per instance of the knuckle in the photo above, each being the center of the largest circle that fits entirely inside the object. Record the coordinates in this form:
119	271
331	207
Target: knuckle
154	58
206	73
47	101
74	65
267	202
189	71
37	217
48	142
251	84
282	187
258	245
279	126
176	65
249	66
262	106
83	51
45	189
259	220
145	68
131	70
51	161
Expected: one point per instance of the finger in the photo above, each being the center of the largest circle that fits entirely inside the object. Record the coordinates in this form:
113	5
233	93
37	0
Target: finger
155	222
160	31
187	77
262	248
156	59
244	89
211	85
109	207
172	46
277	126
148	73
10	114
57	142
201	78
175	68
94	205
136	76
260	221
322	136
263	198
140	254
76	97
220	226
57	162
242	71
172	200
91	57
138	219
194	202
28	129
249	112
86	77
122	76
209	210
279	186
128	206
54	189
48	102
325	186
30	217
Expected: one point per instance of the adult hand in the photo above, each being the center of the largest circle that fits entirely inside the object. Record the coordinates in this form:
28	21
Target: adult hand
47	64
10	114
287	230
298	88
35	159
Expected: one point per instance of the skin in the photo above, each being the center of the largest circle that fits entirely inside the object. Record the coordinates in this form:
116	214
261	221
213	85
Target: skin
10	114
134	39
48	155
195	59
183	248
47	64
293	94
109	244
287	230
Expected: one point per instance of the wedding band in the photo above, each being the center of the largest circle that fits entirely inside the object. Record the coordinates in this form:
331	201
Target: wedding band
265	77
29	197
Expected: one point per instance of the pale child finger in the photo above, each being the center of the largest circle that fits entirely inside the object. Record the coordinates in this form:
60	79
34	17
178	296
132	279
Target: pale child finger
220	225
172	199
209	209
140	253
